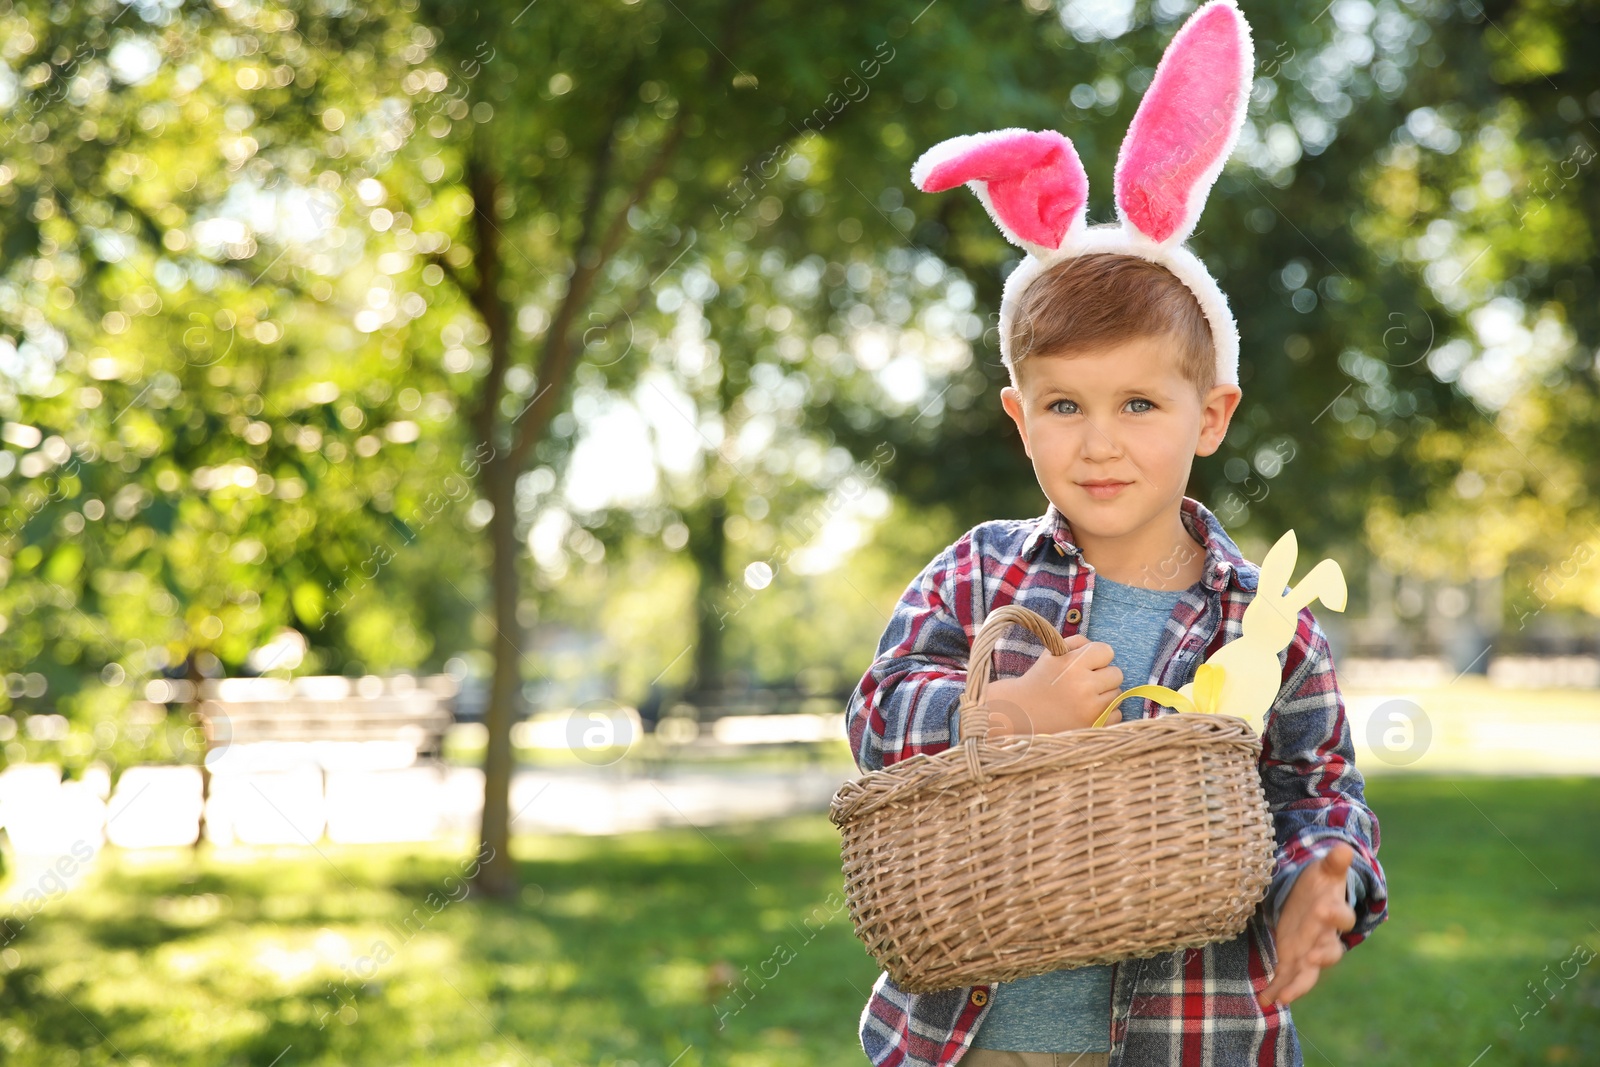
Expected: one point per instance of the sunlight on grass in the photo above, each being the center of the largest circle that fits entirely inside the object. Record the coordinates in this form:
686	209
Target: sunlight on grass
629	950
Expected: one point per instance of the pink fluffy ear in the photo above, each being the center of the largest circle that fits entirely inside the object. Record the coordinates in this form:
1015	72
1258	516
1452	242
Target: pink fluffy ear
1187	124
1032	183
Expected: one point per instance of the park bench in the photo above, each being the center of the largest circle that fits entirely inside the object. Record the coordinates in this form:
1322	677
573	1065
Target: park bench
334	722
732	719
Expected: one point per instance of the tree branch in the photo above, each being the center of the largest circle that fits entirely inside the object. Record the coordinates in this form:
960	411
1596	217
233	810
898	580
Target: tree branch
641	188
560	350
462	283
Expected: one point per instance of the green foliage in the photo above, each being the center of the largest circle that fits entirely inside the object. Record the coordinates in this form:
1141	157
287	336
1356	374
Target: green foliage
218	375
271	304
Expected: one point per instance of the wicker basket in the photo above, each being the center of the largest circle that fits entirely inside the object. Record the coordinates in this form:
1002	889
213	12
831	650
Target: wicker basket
993	861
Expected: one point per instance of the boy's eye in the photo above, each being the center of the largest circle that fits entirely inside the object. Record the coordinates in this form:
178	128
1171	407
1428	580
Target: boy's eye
1136	400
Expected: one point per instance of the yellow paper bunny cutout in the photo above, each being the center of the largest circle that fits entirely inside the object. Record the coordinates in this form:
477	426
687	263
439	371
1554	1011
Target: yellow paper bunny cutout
1244	676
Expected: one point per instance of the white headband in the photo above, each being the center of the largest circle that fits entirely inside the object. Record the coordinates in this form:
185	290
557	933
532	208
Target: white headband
1034	186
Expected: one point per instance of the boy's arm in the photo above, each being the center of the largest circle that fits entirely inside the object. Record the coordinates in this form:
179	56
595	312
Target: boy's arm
1312	786
906	703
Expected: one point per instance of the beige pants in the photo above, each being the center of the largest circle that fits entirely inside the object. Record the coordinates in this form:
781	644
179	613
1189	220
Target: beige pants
988	1057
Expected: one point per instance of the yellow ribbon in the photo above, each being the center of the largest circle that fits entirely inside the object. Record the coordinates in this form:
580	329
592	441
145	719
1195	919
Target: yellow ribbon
1207	694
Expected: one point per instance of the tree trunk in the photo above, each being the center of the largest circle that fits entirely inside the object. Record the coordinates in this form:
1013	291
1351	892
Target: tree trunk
497	875
708	548
192	673
511	443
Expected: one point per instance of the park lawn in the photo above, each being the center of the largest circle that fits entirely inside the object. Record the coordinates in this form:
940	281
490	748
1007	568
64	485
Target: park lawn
619	950
1495	888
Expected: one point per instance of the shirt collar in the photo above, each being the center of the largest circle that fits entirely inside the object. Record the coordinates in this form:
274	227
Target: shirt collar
1224	563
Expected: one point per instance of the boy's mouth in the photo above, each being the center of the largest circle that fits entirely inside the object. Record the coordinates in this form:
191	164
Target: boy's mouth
1103	488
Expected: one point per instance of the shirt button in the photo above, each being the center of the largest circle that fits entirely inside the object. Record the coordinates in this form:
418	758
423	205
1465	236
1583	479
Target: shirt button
1074	616
979	997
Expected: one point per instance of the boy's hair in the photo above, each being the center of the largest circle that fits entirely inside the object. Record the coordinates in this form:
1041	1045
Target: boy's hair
1106	298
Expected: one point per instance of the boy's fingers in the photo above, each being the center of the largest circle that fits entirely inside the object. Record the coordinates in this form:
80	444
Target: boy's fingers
1292	966
1301	985
1308	978
1075	646
1298	972
1327	955
1090	655
1337	860
1274	987
1094	654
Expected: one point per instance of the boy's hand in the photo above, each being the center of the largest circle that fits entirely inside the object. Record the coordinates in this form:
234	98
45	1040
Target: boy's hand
1065	692
1308	928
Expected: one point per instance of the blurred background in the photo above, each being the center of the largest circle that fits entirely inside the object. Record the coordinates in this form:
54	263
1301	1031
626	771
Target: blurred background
456	461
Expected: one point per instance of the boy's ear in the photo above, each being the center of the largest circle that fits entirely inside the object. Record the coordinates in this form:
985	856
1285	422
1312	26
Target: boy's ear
1220	404
1011	400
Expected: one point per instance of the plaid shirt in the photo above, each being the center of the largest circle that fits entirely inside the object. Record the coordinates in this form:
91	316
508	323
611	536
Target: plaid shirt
1191	1008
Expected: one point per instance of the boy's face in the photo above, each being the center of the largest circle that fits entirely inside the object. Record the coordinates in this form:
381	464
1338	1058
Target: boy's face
1122	414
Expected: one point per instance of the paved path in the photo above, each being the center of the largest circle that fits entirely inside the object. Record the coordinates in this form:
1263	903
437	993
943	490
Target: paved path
50	822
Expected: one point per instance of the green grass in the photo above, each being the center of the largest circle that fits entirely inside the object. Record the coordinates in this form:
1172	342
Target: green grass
620	949
1491	881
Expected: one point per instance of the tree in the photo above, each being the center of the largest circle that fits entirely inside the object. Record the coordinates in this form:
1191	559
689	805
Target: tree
592	182
1488	189
214	440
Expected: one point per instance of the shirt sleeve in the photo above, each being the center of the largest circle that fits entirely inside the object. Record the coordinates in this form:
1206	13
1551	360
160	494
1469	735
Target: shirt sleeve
906	703
1315	792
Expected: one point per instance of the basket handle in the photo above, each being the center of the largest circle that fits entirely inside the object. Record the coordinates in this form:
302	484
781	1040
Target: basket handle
974	720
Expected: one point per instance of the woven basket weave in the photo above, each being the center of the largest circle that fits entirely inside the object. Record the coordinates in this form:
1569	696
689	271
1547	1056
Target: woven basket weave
989	862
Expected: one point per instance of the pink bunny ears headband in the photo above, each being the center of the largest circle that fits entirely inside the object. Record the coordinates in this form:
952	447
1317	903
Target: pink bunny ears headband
1035	188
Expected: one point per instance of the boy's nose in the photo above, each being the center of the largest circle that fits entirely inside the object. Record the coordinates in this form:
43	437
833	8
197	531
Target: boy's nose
1097	444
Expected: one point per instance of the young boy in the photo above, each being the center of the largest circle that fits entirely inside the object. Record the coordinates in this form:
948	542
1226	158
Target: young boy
1114	390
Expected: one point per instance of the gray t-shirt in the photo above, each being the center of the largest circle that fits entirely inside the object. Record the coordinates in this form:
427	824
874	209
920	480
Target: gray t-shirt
1070	1010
